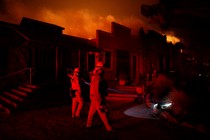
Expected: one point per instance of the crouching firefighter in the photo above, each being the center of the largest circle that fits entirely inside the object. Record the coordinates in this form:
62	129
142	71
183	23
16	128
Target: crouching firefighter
98	91
75	93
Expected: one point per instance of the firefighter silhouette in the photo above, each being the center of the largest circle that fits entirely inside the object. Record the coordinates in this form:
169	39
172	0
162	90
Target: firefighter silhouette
98	91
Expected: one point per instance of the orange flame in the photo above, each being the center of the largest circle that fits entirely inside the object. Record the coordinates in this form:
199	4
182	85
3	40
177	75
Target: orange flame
172	39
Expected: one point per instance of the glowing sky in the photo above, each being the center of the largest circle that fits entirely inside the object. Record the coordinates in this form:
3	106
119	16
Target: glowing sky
78	17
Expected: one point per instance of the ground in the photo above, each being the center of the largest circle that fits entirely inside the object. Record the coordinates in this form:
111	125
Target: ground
55	123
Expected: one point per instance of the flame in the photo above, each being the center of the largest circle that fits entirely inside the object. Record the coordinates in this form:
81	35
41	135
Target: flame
172	39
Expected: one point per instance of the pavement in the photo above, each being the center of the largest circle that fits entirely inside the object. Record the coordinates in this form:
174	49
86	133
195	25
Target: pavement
54	122
46	115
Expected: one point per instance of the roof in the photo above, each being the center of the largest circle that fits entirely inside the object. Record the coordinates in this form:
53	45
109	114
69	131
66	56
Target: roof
38	31
36	24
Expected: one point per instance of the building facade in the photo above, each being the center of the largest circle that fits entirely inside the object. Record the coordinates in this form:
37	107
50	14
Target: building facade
127	58
122	54
44	48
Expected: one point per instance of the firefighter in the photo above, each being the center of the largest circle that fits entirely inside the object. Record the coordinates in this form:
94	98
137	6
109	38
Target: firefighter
98	91
76	93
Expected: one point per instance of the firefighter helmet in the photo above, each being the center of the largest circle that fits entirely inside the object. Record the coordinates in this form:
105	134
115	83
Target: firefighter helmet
99	64
76	70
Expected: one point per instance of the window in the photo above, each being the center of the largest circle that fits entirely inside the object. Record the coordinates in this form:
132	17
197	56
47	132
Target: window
107	63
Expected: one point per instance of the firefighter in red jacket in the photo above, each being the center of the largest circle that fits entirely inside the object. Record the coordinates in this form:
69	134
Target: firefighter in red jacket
98	87
75	93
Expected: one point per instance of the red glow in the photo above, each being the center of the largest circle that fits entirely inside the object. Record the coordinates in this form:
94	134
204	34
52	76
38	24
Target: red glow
78	18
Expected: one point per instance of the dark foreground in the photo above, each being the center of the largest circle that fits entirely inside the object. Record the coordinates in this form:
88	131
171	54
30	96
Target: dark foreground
54	123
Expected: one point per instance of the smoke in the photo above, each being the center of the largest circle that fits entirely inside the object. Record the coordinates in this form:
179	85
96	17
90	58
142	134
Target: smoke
13	11
2	8
78	18
81	23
